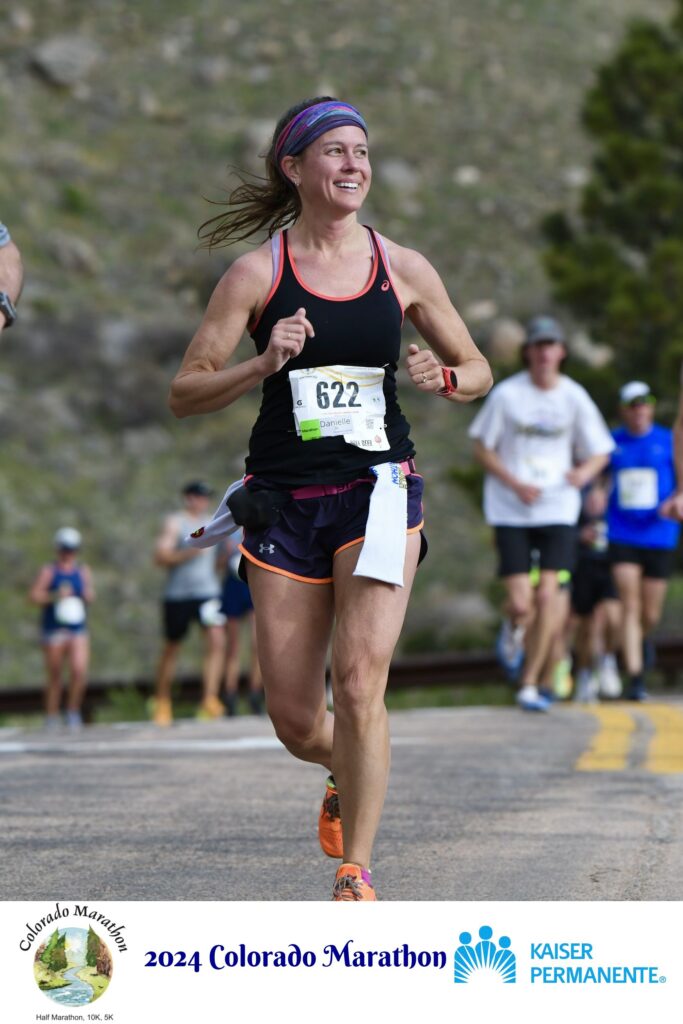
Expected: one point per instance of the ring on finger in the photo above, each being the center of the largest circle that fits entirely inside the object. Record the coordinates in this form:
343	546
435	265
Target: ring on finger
424	378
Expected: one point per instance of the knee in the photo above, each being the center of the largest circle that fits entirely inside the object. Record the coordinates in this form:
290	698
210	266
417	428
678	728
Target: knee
296	728
650	618
519	607
359	691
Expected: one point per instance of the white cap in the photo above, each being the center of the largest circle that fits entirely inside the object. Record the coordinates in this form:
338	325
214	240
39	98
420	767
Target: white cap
67	537
634	389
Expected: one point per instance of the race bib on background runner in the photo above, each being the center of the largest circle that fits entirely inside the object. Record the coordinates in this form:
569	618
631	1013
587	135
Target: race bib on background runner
329	401
637	488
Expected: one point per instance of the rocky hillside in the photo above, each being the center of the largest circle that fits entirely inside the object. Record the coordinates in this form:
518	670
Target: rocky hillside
120	117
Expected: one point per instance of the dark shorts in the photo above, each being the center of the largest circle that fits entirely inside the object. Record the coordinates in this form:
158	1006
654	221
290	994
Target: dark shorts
592	583
236	599
179	615
311	531
555	544
656	563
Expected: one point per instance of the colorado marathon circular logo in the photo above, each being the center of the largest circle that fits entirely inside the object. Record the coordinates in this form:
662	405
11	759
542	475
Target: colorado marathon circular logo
73	966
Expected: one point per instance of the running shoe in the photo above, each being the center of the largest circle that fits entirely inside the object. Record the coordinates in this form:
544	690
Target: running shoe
529	699
609	680
211	707
353	883
510	648
256	702
73	720
587	687
163	711
329	822
563	684
231	704
636	690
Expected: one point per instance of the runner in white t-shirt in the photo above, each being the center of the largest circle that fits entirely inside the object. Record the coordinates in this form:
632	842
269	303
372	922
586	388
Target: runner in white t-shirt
540	438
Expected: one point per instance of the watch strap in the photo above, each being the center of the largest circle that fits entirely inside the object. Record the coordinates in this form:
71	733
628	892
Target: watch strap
450	382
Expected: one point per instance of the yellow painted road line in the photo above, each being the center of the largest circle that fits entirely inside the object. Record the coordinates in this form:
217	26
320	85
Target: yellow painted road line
609	747
665	751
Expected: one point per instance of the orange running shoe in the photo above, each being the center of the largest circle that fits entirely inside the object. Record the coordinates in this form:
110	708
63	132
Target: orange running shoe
211	707
353	883
329	822
163	711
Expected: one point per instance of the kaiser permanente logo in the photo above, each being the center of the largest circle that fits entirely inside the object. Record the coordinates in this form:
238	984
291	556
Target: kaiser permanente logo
550	963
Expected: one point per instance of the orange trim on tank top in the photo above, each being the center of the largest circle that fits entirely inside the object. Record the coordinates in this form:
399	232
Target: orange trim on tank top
273	288
333	298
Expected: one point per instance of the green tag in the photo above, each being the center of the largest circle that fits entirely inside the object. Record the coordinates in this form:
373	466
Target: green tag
310	430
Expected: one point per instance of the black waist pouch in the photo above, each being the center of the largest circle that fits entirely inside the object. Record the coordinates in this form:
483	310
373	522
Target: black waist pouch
257	509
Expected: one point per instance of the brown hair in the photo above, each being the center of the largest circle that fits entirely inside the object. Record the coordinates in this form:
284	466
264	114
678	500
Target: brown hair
264	203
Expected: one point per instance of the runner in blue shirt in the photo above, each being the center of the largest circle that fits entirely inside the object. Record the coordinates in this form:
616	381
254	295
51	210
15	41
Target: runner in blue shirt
642	542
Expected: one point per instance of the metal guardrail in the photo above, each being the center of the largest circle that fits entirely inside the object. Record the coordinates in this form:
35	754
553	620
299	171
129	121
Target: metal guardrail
452	668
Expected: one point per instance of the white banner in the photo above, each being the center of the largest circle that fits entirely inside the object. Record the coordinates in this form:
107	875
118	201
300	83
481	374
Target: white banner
135	962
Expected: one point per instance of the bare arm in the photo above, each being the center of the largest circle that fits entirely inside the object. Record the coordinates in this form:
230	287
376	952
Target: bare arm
203	383
11	274
39	593
672	508
88	586
438	322
166	550
492	463
585	471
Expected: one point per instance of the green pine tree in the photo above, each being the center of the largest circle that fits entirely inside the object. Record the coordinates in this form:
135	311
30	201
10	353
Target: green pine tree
92	949
618	262
49	947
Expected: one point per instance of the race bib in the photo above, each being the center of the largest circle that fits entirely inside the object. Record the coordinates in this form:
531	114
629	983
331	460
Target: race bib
329	401
637	488
540	471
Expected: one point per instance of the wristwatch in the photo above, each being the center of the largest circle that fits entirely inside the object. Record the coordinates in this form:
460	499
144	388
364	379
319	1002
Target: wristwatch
450	382
8	309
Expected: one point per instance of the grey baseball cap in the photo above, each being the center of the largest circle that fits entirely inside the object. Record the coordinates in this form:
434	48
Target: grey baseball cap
544	328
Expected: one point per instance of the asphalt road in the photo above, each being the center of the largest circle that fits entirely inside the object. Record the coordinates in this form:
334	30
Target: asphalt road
483	804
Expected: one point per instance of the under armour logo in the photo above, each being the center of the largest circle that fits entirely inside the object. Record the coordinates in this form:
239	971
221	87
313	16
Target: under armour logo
266	549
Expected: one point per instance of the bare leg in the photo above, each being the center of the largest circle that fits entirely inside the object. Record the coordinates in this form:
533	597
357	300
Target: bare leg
54	659
79	657
166	670
545	625
653	593
627	577
369	620
212	664
293	626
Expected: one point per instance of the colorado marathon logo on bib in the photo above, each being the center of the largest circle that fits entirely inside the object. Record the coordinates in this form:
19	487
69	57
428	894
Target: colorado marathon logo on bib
329	401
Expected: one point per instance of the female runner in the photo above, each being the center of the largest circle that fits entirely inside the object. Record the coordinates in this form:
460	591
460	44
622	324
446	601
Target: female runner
335	536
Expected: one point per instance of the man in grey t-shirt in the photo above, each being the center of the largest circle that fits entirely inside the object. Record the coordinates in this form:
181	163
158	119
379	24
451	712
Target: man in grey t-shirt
191	594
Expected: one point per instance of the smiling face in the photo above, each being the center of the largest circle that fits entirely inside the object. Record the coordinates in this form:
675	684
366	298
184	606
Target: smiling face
334	170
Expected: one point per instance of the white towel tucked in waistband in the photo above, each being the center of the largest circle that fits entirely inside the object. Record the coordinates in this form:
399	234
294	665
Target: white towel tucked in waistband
222	524
384	548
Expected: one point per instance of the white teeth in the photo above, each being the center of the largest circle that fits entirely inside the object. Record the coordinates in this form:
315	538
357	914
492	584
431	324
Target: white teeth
347	184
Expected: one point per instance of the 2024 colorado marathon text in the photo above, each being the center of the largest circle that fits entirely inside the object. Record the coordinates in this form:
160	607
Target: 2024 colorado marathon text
293	956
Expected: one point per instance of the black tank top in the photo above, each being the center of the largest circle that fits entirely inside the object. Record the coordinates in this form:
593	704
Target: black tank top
361	330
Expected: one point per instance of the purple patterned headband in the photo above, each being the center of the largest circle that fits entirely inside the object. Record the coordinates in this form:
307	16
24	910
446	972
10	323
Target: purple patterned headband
313	122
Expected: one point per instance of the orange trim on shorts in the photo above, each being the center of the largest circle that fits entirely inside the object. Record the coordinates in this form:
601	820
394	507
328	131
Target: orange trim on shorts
281	572
359	540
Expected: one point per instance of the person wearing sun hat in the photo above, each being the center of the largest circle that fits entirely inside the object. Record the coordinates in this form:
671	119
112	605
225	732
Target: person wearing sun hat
63	589
642	541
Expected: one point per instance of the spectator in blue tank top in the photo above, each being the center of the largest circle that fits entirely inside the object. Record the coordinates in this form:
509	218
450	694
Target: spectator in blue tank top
642	541
63	589
332	513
